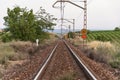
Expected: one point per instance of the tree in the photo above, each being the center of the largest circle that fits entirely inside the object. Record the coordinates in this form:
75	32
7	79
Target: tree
117	29
24	25
71	35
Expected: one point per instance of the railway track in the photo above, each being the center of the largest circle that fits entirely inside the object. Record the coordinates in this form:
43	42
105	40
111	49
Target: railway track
63	62
58	62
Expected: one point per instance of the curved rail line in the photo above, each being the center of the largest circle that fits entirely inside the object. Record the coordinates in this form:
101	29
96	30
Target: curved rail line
77	59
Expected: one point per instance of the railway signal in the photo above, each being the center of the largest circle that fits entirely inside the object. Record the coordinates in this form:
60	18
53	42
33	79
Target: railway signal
83	31
84	36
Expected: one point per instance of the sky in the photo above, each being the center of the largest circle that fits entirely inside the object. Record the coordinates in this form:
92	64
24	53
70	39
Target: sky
101	14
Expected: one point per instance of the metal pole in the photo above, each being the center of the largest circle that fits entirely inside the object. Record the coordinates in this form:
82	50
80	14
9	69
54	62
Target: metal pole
85	14
69	32
61	15
85	20
74	28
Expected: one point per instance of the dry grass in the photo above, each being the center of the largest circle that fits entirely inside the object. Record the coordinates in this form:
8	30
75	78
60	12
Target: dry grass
6	51
95	44
9	55
77	41
14	51
105	52
67	76
52	38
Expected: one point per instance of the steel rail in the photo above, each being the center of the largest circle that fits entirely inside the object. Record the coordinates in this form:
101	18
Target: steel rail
81	64
45	64
77	59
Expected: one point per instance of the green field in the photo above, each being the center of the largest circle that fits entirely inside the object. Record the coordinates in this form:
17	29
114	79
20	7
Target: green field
109	35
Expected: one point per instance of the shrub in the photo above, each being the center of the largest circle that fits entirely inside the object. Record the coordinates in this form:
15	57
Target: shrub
3	60
6	52
7	37
101	51
70	35
115	64
103	54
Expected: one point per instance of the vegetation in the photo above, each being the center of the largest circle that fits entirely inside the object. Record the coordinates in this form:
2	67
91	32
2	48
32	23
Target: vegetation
20	50
24	25
103	46
103	52
67	76
115	62
12	53
6	37
6	52
117	29
109	55
112	36
70	35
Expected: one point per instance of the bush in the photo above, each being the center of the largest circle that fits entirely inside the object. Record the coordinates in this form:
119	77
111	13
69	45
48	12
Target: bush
115	64
7	37
70	35
102	54
101	51
3	60
6	52
105	52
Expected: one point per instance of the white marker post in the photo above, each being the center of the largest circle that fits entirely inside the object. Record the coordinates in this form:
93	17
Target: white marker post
37	41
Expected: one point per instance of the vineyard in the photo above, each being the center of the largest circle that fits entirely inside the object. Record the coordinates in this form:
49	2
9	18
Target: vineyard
111	35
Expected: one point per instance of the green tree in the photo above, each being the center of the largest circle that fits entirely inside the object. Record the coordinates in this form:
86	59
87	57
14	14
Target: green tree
70	35
25	25
117	29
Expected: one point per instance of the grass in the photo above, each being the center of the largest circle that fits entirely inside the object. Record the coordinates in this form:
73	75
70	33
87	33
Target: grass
14	51
105	52
6	52
67	76
10	50
115	62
